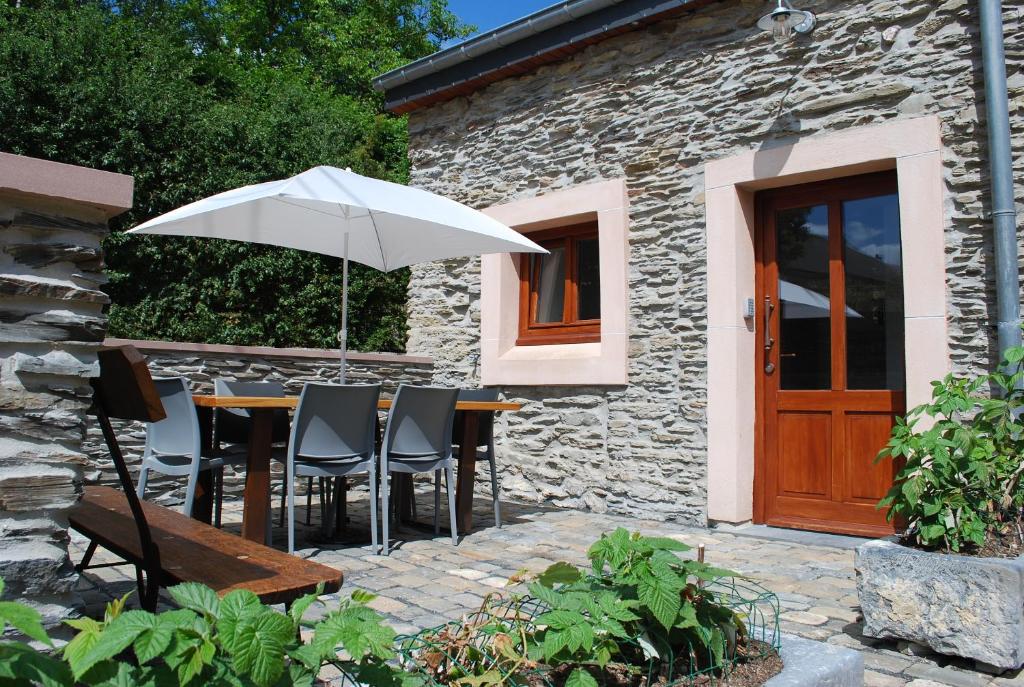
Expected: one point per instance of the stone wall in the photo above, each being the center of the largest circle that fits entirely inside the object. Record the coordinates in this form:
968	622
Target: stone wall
52	219
202	363
653	106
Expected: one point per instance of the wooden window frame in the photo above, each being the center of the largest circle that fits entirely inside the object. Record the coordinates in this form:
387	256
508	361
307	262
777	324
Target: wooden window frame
571	329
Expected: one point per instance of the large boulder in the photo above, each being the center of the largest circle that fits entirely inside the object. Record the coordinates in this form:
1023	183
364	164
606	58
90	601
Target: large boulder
959	605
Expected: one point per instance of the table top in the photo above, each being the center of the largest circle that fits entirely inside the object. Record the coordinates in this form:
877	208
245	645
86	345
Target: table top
290	402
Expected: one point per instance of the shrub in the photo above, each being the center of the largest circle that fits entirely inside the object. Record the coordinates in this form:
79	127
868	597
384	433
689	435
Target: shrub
960	477
234	640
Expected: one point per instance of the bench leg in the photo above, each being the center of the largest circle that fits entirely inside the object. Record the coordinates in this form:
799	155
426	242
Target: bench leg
87	558
149	590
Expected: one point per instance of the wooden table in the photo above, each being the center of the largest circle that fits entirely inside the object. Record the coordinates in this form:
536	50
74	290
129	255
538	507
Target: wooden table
256	506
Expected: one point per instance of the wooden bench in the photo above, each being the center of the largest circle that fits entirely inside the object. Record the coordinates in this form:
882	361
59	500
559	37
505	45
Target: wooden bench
165	546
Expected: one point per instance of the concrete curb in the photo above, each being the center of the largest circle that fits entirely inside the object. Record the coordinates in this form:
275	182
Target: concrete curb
815	664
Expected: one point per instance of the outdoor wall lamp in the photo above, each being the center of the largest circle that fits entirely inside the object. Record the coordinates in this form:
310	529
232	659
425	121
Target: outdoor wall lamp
784	21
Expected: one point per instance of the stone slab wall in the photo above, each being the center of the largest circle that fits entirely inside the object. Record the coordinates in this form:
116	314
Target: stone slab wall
52	219
653	106
201	364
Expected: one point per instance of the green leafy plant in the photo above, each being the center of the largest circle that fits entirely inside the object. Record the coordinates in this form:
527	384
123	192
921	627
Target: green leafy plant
234	640
961	461
640	613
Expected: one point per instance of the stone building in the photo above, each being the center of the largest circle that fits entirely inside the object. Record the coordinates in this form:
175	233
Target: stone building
52	219
760	251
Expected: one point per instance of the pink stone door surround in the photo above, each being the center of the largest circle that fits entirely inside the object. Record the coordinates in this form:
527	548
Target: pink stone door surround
912	147
504	363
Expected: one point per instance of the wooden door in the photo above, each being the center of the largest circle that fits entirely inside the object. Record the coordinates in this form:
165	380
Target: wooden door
830	354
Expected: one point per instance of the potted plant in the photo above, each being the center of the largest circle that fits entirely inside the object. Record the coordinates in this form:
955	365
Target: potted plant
953	578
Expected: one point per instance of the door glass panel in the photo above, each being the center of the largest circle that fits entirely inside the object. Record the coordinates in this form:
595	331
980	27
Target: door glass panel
588	287
549	283
804	332
874	293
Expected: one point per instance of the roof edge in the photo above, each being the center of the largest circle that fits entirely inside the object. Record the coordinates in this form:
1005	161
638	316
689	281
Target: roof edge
552	33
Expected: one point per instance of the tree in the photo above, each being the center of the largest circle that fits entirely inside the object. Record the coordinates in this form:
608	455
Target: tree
193	97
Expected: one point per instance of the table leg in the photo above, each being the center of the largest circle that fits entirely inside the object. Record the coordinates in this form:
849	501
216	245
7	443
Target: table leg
467	473
202	501
256	509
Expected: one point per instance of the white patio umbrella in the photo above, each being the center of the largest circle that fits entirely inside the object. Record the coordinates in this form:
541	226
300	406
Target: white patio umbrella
337	212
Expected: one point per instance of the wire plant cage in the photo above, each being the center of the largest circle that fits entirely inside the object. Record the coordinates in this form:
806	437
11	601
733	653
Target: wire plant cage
493	638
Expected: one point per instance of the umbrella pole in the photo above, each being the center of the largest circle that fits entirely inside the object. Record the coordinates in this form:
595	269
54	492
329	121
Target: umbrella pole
343	334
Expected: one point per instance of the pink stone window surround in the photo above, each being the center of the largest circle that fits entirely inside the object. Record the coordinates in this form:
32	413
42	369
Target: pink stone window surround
578	364
912	147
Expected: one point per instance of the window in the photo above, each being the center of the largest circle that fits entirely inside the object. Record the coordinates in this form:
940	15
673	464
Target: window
560	293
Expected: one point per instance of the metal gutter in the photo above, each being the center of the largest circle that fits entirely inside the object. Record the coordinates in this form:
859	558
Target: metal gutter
560	26
1004	213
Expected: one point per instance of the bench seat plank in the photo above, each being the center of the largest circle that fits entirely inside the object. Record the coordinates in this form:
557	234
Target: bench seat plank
192	551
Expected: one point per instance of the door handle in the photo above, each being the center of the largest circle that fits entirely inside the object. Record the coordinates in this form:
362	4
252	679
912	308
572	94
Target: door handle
769	341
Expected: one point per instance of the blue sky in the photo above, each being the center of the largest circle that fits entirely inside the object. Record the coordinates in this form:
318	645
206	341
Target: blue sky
488	14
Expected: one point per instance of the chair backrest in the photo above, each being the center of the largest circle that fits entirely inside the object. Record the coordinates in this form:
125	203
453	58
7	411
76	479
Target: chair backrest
485	421
232	425
420	421
335	421
178	433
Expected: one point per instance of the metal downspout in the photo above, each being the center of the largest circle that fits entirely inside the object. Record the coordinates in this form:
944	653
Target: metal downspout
1004	216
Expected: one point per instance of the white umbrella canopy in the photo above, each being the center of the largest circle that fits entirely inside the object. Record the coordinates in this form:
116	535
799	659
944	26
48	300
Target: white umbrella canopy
338	212
389	225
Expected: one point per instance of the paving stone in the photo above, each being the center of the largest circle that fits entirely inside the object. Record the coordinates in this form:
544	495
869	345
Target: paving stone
1011	679
886	663
496	582
383	604
875	679
468	573
845	614
805	618
948	676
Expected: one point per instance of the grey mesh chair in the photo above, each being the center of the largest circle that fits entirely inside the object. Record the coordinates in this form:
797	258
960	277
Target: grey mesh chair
333	436
484	438
231	428
418	438
174	444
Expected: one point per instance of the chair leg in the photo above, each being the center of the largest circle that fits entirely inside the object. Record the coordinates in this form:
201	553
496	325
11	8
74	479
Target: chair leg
494	487
285	488
449	481
218	497
323	498
140	490
384	511
437	502
412	499
397	493
332	498
373	510
309	501
190	496
291	514
341	505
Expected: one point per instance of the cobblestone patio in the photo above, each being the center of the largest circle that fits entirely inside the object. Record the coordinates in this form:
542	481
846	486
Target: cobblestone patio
426	581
